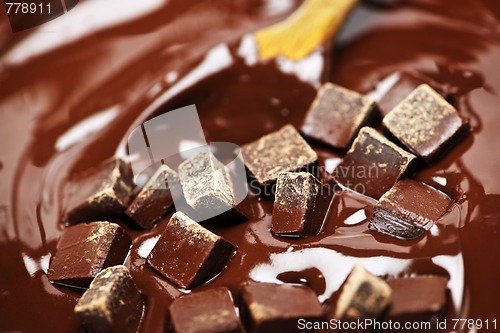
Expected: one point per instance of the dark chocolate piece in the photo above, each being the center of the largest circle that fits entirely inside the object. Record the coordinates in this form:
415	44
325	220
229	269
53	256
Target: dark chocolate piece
425	123
100	193
417	299
153	200
362	296
373	164
300	204
408	209
112	303
85	249
336	115
283	150
406	82
278	307
204	312
188	254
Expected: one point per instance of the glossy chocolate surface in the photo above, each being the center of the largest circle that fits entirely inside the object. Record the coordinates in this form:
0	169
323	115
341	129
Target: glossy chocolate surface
117	76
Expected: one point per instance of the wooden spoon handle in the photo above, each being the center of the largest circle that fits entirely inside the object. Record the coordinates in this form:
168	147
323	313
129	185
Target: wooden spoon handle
313	23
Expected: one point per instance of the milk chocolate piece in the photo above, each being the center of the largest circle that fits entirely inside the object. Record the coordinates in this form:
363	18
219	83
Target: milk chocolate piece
425	123
85	249
100	193
278	307
188	254
154	199
405	83
362	296
373	164
417	299
112	303
408	209
283	150
300	204
336	115
204	312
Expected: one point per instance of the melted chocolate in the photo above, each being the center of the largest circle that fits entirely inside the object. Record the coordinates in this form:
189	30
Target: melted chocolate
119	74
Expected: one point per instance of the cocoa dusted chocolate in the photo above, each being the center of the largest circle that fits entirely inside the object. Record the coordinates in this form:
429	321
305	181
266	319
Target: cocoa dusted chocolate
418	299
205	311
85	249
426	123
408	209
154	199
373	164
268	307
300	205
112	303
283	150
362	296
189	254
100	193
337	114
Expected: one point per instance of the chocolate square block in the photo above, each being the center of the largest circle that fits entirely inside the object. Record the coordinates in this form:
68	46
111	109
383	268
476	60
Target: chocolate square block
206	311
362	296
278	307
408	209
417	299
425	123
283	150
100	193
188	254
85	249
406	82
112	303
336	115
373	164
153	200
300	205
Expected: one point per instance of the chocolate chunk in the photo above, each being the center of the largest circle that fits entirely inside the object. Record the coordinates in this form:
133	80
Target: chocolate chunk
203	312
85	249
206	185
100	193
406	82
362	296
425	123
417	299
278	307
300	205
408	209
112	303
188	254
283	150
154	199
373	164
336	115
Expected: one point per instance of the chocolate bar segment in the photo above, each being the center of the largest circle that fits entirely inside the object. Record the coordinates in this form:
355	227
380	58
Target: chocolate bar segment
425	123
273	308
154	199
100	193
417	299
207	311
112	303
283	150
362	296
373	164
408	209
300	205
188	254
336	115
86	249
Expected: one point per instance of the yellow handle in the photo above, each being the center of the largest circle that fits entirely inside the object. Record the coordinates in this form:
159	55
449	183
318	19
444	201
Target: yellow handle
308	27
